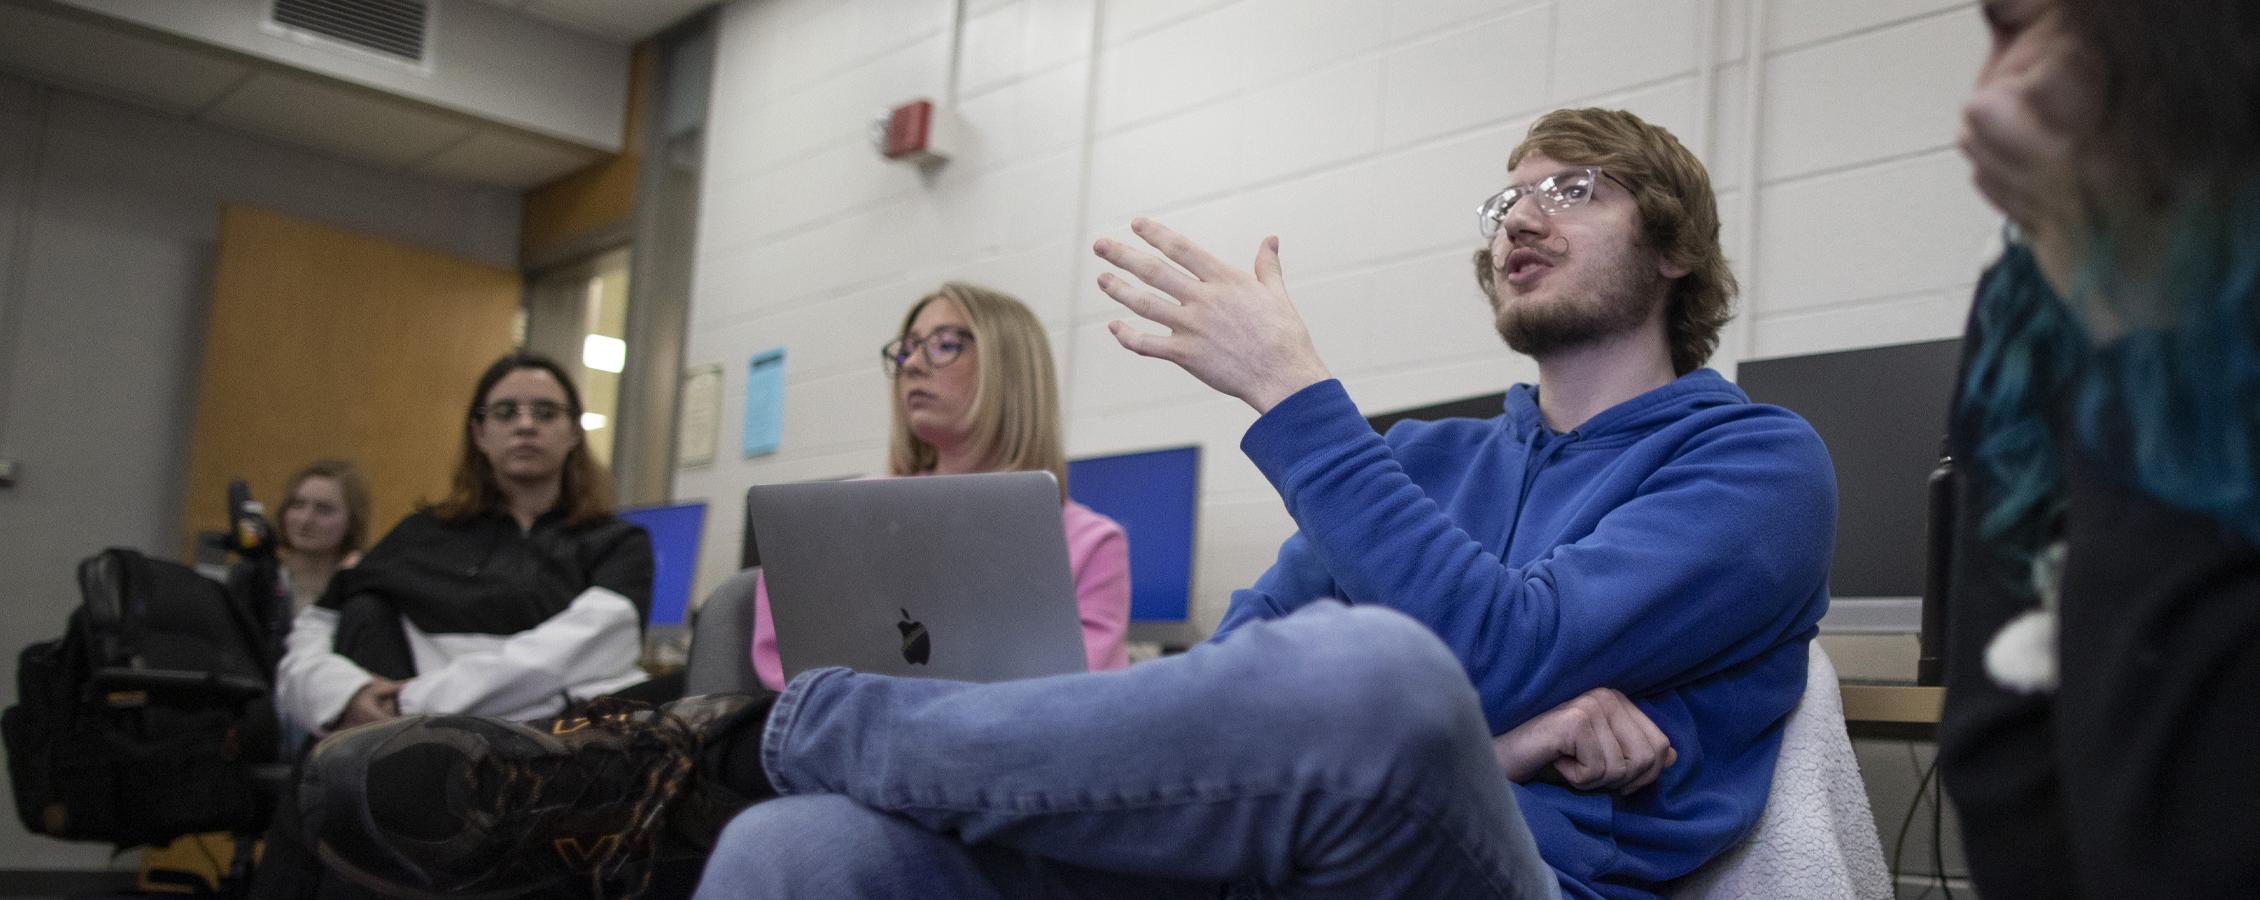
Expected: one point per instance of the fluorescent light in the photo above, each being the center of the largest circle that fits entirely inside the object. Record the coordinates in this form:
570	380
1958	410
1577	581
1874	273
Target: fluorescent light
591	421
604	354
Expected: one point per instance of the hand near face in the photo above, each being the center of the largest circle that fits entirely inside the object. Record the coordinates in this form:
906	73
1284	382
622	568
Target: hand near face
2036	102
1598	741
1234	330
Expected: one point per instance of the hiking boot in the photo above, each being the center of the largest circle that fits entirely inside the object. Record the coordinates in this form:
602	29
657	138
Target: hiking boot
462	806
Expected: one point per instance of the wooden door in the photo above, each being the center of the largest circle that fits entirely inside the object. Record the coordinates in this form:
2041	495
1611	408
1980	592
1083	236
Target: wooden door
327	343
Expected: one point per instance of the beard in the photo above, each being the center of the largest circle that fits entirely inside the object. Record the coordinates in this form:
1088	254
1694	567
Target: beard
1616	301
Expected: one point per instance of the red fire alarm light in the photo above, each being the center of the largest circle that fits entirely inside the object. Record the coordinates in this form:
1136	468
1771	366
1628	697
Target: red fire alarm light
911	132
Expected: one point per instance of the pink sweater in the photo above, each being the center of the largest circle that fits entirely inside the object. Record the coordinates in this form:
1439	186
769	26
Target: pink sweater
1097	553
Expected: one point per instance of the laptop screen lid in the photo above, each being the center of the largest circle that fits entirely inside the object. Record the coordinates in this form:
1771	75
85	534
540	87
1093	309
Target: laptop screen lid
942	576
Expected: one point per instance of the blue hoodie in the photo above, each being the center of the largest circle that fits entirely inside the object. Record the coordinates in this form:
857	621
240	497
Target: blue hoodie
1674	547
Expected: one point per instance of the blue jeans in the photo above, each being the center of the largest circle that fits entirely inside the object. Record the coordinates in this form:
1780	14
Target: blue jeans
1337	752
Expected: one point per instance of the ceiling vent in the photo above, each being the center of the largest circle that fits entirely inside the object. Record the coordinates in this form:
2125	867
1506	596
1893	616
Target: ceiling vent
396	29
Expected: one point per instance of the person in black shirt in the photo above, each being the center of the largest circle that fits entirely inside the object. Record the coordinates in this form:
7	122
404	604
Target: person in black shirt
517	596
513	597
2105	633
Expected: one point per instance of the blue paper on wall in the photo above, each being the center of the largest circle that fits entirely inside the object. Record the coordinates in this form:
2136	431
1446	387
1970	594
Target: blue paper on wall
764	401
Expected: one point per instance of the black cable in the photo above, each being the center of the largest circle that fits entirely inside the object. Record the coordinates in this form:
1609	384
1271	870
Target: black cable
1899	844
1938	831
1929	784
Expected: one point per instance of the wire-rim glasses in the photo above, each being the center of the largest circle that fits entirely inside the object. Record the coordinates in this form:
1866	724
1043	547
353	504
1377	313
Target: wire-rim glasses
507	411
1555	195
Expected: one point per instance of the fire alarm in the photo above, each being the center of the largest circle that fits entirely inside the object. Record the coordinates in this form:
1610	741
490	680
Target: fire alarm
915	132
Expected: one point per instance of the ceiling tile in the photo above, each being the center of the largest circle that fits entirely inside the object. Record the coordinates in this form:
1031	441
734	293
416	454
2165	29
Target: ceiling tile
113	63
371	128
346	121
508	159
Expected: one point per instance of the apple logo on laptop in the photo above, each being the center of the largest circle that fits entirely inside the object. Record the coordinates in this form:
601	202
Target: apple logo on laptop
915	645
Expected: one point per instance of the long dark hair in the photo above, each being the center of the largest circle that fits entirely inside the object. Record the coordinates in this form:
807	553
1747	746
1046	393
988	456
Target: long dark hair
586	494
2172	405
2181	89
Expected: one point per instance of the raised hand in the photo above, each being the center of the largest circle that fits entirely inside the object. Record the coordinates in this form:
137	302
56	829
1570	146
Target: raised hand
1233	329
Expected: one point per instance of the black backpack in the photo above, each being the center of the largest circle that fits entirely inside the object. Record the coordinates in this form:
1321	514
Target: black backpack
149	719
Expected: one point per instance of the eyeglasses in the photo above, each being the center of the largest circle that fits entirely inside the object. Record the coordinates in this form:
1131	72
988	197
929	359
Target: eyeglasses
942	347
507	411
1556	195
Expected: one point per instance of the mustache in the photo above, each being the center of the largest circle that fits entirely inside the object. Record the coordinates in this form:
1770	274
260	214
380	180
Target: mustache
1553	254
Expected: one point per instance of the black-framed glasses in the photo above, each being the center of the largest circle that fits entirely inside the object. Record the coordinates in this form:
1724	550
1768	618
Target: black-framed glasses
1556	195
942	346
508	411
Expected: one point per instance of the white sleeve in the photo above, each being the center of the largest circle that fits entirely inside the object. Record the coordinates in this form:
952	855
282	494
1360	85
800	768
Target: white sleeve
589	649
313	684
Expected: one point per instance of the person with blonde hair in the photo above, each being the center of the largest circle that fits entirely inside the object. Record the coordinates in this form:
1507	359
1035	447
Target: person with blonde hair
972	390
323	525
1569	638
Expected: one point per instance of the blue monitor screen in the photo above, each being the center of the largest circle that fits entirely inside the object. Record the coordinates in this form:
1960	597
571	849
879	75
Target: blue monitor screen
1153	495
674	550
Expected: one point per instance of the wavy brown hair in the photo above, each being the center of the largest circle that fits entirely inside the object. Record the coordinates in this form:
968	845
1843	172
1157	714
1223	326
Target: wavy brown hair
586	494
1679	217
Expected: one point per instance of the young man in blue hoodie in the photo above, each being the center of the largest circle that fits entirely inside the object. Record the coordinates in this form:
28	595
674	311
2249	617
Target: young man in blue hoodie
1632	521
1630	527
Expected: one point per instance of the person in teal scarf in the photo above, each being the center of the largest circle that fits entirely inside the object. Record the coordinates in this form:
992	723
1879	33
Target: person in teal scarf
2105	633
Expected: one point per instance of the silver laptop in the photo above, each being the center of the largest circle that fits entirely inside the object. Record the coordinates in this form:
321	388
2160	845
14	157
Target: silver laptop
948	576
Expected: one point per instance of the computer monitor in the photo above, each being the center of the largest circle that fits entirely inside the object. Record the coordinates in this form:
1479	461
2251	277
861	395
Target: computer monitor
675	531
1155	496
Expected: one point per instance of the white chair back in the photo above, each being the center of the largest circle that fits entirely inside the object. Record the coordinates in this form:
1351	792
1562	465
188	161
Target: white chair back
1817	839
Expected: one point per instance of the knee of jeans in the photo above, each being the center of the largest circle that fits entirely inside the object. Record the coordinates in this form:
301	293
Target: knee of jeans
1378	672
797	842
1377	649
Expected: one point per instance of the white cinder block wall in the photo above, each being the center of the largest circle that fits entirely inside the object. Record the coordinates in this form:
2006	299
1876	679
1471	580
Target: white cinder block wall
1362	132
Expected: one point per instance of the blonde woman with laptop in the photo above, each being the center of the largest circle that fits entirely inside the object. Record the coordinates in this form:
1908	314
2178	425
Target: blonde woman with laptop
974	391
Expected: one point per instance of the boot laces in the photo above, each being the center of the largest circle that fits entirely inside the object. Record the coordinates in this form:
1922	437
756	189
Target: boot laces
660	754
